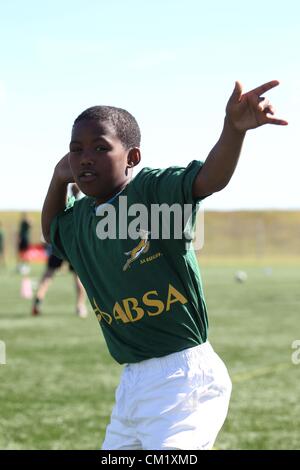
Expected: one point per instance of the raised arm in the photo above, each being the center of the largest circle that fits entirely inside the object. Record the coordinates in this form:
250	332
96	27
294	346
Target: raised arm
56	196
243	112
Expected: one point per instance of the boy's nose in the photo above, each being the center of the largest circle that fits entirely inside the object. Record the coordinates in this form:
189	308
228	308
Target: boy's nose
87	158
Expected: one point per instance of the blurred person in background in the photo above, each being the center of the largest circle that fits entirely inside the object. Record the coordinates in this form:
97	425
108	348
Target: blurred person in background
23	239
2	249
53	264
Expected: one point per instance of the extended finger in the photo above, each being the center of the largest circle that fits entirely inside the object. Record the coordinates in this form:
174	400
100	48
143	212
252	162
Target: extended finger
276	121
237	92
265	87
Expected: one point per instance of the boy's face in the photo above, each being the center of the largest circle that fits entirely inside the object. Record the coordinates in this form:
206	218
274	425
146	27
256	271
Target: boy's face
98	159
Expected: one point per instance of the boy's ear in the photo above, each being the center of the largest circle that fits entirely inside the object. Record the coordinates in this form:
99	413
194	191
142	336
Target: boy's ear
133	157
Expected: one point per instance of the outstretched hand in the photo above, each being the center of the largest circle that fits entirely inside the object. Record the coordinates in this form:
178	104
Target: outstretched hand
250	110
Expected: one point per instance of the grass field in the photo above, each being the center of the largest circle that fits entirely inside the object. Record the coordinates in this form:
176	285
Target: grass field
57	388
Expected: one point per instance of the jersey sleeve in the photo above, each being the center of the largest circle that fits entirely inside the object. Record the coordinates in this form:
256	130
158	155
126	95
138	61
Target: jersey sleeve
166	189
170	185
62	232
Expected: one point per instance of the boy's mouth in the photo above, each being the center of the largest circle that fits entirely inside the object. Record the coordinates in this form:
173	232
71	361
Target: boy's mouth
87	176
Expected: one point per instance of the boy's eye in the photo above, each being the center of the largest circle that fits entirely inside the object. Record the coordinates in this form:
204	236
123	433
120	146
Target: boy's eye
75	150
101	148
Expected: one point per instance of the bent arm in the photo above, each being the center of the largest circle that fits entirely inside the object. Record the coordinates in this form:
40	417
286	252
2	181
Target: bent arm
55	201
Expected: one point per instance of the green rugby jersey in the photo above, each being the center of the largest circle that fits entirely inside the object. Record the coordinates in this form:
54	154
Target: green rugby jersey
146	292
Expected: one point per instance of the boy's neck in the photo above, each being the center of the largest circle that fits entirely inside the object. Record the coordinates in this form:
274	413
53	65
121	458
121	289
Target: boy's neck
113	195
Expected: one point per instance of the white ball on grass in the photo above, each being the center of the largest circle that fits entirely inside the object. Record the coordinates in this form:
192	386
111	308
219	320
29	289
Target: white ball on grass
241	276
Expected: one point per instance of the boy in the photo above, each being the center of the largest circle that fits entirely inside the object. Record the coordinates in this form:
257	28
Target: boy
174	390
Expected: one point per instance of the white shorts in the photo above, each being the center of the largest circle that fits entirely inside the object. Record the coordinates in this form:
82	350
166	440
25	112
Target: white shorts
179	401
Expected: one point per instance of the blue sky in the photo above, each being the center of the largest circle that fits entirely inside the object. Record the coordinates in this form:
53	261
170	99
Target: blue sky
170	63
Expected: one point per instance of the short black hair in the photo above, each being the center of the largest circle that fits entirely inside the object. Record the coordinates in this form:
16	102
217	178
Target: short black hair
124	124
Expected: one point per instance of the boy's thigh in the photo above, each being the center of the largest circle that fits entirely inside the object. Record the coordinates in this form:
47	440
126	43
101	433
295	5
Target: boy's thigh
195	417
120	436
120	433
188	430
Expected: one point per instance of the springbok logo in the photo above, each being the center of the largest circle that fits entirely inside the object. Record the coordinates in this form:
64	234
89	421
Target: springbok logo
140	249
